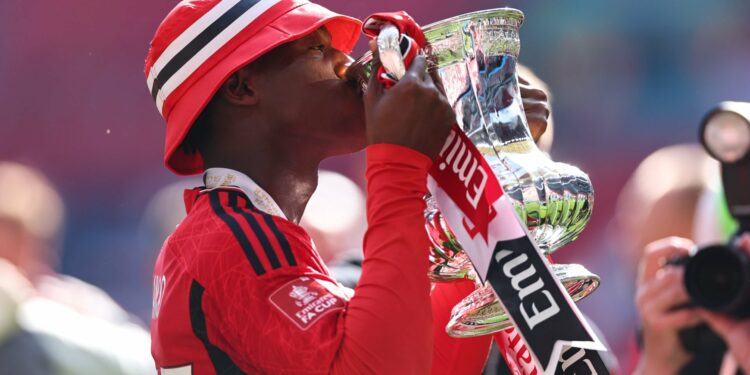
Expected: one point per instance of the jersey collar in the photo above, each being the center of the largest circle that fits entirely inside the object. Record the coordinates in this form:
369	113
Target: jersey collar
215	178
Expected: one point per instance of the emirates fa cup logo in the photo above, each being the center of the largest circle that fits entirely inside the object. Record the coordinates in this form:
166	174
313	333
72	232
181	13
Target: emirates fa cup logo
302	295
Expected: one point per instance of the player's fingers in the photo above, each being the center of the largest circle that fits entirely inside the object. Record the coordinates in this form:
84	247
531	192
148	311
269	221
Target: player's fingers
417	70
434	73
536	108
375	88
530	92
427	79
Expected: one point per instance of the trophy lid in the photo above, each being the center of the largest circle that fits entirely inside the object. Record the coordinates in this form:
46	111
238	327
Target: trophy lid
511	16
493	31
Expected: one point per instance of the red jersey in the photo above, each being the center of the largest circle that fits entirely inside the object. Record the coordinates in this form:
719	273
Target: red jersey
241	290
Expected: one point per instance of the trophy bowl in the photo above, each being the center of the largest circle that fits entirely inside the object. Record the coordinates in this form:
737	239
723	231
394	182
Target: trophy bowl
475	55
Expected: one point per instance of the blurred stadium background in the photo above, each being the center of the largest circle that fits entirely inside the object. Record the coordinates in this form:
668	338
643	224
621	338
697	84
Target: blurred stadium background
627	77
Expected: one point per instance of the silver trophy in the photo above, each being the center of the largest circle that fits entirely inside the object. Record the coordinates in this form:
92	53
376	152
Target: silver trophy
475	55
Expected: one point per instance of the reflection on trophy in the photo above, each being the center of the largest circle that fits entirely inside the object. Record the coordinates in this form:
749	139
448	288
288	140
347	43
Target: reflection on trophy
475	55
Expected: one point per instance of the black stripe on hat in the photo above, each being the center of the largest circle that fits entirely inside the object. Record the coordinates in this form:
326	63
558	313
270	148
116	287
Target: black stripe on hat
250	253
223	364
200	41
257	230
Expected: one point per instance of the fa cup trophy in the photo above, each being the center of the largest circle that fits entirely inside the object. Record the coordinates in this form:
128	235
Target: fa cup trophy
476	56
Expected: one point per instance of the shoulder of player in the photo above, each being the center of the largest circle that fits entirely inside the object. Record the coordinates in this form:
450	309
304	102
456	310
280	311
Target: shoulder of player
225	227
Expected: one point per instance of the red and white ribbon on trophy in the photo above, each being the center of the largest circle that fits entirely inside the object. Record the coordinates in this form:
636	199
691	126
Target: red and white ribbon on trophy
486	225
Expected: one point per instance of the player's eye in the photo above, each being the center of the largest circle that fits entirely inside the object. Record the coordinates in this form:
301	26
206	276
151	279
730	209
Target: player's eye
319	47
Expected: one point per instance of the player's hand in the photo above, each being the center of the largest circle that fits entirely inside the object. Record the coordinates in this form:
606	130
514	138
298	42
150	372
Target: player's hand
660	294
413	113
736	333
536	105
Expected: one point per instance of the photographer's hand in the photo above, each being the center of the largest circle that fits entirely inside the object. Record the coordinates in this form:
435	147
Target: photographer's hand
660	293
736	333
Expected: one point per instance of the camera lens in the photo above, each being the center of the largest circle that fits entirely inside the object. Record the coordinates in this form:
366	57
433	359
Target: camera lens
717	279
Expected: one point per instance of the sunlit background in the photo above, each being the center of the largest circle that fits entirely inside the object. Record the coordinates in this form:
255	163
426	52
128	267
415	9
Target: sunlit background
627	77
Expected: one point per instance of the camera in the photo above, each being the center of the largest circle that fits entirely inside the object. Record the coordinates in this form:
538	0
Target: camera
717	277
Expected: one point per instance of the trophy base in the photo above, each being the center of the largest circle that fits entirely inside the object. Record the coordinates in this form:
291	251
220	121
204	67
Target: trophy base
481	314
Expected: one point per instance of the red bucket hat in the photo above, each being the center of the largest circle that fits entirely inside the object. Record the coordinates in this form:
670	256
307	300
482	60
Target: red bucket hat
202	42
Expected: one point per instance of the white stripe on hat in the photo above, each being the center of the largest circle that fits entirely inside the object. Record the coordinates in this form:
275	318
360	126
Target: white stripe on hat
188	35
207	51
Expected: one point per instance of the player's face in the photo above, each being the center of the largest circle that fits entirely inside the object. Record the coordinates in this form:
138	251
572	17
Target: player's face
309	100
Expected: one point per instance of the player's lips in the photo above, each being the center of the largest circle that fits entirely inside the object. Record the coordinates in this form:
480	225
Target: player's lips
358	73
359	87
357	84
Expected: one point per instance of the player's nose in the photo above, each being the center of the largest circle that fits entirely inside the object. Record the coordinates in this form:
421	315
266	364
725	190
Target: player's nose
341	63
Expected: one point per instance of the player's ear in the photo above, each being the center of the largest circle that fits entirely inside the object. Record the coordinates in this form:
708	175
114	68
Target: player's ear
239	88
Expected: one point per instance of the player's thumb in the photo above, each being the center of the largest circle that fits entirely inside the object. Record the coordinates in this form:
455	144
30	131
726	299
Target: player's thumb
375	88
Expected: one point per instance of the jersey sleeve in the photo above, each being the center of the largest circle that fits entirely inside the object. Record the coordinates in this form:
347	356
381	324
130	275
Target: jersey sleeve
388	329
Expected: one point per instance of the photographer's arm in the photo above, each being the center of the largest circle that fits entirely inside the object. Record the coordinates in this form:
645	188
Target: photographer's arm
660	291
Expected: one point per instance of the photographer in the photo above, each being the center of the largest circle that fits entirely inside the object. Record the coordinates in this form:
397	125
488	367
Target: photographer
662	300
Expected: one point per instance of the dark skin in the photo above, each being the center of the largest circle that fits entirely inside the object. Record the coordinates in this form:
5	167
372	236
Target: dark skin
535	106
276	119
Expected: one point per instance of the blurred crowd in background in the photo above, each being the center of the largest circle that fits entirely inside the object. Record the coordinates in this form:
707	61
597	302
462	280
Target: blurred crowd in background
626	78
